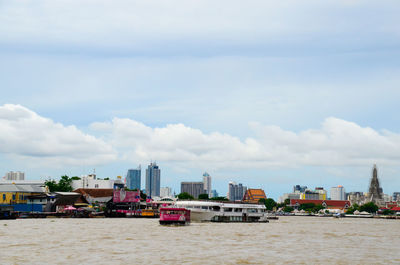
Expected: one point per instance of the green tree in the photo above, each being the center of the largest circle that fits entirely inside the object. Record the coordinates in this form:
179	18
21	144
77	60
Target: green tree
387	212
64	184
203	196
353	208
269	203
219	199
185	196
75	178
288	209
369	207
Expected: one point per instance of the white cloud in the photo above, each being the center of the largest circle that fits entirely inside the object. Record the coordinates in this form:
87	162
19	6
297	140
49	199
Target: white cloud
336	143
24	135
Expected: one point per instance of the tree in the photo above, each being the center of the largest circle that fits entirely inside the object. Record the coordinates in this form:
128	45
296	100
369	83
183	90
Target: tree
75	178
64	184
369	207
269	203
353	208
288	209
185	196
387	212
219	199
203	196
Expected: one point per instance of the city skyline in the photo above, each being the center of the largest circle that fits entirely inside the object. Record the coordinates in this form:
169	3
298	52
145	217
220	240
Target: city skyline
268	94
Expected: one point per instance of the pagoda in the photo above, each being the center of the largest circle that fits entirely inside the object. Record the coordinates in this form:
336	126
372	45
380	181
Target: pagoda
375	193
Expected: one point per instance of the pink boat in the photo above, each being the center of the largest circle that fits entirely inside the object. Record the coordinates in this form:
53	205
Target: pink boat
175	216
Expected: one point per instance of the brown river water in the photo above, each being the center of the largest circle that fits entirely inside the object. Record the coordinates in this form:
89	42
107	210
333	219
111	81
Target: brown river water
289	240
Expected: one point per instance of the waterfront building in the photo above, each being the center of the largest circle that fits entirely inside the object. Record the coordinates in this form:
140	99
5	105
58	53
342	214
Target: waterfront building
207	184
95	195
92	182
375	192
285	196
165	192
18	196
193	188
153	174
133	178
328	204
318	194
338	193
254	195
236	191
18	175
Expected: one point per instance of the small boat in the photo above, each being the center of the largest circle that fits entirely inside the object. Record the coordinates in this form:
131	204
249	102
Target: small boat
174	216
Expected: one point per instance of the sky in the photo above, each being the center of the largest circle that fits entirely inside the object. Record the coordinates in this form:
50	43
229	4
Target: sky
266	93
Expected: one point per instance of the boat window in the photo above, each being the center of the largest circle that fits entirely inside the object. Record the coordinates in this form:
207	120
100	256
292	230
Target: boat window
197	207
228	209
204	207
252	210
238	210
216	208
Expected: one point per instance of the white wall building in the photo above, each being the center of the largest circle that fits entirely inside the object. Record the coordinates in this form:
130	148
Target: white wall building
18	175
165	192
338	193
91	182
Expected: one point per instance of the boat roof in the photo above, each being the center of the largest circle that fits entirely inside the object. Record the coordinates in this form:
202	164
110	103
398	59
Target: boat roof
220	204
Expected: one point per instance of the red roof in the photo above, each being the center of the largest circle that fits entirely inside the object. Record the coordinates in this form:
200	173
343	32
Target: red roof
328	203
396	209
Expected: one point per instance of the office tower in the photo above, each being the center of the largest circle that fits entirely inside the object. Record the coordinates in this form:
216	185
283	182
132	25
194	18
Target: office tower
193	188
14	175
133	178
207	184
165	192
338	193
236	191
153	180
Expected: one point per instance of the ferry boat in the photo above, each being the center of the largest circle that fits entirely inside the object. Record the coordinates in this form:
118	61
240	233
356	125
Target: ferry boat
175	216
207	211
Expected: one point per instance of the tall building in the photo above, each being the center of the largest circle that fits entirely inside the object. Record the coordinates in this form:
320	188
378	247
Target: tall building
338	193
193	188
236	191
207	184
214	194
375	192
165	192
153	180
396	196
133	178
299	189
18	175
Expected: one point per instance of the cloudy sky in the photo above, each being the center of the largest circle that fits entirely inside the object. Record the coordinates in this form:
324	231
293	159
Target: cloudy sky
267	93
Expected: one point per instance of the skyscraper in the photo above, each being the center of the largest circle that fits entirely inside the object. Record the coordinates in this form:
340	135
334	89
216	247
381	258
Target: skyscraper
193	188
375	193
207	184
236	191
133	178
153	180
338	193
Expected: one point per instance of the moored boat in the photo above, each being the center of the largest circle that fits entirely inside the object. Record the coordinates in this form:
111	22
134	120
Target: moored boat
174	216
203	211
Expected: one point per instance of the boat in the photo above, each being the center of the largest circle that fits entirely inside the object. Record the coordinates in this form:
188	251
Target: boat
7	213
174	216
207	211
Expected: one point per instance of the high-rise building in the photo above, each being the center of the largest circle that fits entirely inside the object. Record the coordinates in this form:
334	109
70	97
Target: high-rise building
14	175
153	180
133	178
214	194
236	191
165	192
338	193
375	193
207	184
396	196
193	188
299	189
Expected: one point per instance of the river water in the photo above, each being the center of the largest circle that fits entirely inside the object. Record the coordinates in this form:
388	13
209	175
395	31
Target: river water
299	240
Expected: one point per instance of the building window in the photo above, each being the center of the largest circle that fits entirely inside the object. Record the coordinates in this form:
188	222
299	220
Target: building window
4	197
96	186
13	197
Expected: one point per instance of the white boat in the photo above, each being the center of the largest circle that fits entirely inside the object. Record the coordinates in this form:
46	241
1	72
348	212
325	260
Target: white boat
203	211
